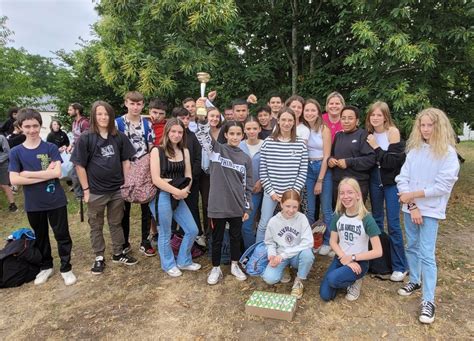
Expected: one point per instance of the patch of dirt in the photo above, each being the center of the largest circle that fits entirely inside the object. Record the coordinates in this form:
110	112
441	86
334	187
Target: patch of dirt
142	302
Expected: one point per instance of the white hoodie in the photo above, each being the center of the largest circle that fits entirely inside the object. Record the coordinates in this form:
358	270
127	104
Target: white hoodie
435	176
288	237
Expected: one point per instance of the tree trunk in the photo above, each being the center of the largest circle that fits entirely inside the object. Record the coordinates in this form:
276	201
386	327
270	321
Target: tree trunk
294	52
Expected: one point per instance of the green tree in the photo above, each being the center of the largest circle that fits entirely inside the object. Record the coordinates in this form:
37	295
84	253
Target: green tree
24	77
79	80
157	47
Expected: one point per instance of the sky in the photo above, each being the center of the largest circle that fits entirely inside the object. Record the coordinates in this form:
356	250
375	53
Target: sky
42	26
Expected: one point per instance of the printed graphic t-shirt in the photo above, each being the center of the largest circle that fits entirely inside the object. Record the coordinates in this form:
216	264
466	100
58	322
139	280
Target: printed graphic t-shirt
103	162
354	233
46	195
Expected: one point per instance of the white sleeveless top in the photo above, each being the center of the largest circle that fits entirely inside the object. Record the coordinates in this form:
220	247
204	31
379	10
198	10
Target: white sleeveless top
382	140
315	145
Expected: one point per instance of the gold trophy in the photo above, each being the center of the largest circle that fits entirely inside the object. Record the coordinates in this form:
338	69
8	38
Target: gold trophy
203	77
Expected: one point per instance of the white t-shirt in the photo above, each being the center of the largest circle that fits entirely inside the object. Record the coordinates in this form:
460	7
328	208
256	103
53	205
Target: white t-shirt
302	131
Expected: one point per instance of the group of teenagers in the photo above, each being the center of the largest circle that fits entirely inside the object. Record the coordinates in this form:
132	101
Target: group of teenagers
260	177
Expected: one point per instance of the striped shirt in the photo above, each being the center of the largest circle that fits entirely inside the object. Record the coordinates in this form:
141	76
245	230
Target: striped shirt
283	165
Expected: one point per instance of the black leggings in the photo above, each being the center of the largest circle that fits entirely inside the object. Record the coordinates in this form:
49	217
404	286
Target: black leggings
235	232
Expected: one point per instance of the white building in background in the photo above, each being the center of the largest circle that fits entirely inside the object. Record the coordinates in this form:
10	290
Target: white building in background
467	133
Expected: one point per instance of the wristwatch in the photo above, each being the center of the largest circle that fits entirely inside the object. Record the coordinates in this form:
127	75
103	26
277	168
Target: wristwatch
353	258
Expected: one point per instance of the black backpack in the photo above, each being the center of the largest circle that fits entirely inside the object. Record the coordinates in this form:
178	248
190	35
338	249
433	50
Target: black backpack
382	265
19	263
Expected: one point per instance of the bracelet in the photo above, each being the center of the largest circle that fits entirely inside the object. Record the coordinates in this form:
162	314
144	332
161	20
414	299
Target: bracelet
319	180
412	206
85	189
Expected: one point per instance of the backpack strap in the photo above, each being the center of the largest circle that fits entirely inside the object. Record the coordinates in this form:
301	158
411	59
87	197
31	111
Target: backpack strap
120	123
146	132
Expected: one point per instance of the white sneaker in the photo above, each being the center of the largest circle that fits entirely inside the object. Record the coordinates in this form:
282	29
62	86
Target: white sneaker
237	272
215	275
174	272
69	278
43	276
324	250
353	290
331	254
190	267
201	240
398	276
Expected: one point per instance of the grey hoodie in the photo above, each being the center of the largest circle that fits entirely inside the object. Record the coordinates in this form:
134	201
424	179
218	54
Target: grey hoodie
231	177
288	237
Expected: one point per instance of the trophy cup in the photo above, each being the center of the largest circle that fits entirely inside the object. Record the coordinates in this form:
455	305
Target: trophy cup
203	77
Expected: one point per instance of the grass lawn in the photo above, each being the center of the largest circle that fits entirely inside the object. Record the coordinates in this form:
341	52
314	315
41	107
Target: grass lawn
142	302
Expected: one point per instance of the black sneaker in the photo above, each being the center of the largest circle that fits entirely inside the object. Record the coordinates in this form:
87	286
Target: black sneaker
427	314
127	248
124	259
408	289
12	208
98	267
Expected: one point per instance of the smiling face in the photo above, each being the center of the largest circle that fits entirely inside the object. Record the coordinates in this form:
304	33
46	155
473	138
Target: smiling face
286	123
264	118
252	129
311	113
426	128
349	197
102	118
297	107
289	208
275	104
234	135
31	128
175	134
377	119
349	120
134	107
334	106
214	118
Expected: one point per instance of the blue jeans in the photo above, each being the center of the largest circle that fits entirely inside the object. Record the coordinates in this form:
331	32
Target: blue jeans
339	276
248	234
314	167
182	215
389	193
421	247
303	261
268	207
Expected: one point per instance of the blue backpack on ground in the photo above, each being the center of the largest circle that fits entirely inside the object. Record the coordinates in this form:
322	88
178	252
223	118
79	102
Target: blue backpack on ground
255	259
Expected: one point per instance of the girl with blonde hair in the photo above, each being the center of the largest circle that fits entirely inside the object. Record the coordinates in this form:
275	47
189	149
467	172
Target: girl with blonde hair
425	184
389	149
351	229
334	104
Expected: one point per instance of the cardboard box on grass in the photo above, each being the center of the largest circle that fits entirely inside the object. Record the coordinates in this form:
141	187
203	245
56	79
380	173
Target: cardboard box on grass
272	305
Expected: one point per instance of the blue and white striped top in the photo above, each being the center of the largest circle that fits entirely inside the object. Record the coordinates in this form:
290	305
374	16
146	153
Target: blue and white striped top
283	165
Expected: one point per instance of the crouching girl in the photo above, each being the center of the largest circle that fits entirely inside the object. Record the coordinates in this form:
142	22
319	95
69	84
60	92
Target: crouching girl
289	241
351	228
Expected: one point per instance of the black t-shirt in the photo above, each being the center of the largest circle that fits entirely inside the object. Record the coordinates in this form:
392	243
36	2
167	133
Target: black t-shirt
59	138
102	159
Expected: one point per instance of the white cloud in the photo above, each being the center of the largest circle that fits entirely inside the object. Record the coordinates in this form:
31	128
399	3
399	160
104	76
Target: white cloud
41	26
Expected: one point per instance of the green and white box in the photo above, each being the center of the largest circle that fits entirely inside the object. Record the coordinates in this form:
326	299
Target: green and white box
272	305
